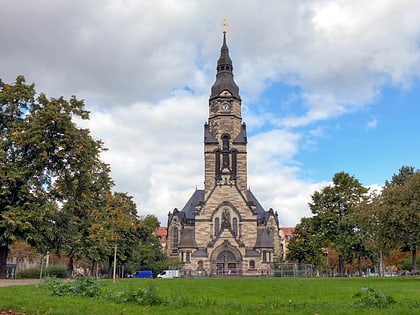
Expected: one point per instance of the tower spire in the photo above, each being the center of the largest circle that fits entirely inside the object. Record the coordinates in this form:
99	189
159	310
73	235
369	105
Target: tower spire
224	76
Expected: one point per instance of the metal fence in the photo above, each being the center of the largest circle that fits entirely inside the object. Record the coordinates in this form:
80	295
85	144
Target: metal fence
291	270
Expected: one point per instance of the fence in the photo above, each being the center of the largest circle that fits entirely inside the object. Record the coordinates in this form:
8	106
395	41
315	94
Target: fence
294	270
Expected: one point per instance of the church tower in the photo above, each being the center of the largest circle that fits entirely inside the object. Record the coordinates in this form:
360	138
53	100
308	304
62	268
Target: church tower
223	230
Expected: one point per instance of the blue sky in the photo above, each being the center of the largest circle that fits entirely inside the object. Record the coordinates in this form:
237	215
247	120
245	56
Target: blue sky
326	86
371	143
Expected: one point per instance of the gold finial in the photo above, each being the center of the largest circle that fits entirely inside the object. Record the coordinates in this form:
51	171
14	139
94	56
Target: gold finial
224	26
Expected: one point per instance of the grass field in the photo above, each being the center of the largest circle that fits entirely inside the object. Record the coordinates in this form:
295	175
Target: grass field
227	296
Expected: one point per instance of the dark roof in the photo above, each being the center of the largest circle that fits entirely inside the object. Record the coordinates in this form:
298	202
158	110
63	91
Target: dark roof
187	239
208	137
189	208
261	213
224	76
241	138
251	253
265	238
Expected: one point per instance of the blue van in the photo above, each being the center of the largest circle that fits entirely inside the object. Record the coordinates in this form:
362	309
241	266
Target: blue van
142	274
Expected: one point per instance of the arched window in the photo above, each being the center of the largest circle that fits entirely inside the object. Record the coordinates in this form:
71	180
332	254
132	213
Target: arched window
175	236
252	264
235	226
216	226
200	265
234	163
225	150
188	257
226	256
217	164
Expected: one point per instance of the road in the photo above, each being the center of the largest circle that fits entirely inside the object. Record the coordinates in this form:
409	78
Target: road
10	282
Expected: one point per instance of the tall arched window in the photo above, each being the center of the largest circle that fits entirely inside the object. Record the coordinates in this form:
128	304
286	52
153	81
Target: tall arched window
216	226
234	163
175	236
235	226
217	163
225	150
252	264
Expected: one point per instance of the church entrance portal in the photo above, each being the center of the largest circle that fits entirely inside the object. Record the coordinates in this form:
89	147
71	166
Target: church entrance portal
226	263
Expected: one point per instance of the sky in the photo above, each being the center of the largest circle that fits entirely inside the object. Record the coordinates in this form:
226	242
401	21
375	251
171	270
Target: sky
326	86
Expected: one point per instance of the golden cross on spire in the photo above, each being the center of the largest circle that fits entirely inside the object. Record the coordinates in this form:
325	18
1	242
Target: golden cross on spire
224	26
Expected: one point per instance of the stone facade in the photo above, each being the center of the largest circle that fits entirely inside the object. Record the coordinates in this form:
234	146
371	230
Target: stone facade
223	230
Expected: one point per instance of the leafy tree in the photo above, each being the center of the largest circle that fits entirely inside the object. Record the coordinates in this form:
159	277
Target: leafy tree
306	244
399	212
148	253
399	179
50	170
115	227
335	208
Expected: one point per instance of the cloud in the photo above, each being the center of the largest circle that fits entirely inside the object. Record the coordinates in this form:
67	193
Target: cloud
372	124
145	69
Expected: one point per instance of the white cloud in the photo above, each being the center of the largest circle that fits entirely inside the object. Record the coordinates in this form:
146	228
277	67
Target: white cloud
131	60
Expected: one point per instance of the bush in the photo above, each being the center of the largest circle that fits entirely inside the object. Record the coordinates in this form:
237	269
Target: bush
58	271
83	286
141	296
368	297
405	264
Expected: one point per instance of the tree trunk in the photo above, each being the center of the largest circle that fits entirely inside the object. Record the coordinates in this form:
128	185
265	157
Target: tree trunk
359	265
94	269
413	259
4	251
70	268
340	266
110	261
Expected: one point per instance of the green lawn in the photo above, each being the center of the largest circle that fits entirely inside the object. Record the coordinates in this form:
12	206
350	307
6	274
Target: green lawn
227	296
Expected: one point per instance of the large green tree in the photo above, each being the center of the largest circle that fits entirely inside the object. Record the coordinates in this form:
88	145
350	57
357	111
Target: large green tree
306	244
50	171
335	208
399	211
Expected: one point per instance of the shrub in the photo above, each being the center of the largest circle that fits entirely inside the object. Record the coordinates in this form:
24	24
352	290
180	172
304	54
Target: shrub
58	271
83	286
368	297
141	296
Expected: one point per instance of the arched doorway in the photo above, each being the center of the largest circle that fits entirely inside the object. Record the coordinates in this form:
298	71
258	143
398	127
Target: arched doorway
226	261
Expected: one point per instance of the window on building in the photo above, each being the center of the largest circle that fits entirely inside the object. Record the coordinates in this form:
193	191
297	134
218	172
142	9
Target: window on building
200	265
252	264
216	226
225	150
235	226
175	236
188	257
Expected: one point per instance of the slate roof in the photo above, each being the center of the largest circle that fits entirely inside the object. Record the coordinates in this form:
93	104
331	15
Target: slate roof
265	239
187	239
189	208
262	215
224	76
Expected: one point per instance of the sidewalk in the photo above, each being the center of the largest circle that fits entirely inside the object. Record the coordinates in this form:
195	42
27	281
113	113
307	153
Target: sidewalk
10	282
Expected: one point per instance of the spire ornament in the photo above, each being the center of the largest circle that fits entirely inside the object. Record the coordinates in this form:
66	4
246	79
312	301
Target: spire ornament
224	26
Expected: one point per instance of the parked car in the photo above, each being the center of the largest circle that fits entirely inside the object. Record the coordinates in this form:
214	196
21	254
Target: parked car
142	274
168	274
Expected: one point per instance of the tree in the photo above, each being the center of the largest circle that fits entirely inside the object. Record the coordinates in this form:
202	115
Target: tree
306	244
115	227
46	161
399	211
335	208
147	254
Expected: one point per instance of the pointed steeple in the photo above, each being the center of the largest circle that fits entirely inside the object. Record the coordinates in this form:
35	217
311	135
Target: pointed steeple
224	76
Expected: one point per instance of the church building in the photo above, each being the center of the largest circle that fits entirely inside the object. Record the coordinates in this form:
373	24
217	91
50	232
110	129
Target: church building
223	230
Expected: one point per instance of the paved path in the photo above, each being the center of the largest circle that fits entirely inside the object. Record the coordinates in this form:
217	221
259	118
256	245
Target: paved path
9	282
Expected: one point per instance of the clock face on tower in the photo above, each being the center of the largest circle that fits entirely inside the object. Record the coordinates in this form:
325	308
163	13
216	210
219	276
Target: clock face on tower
225	106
